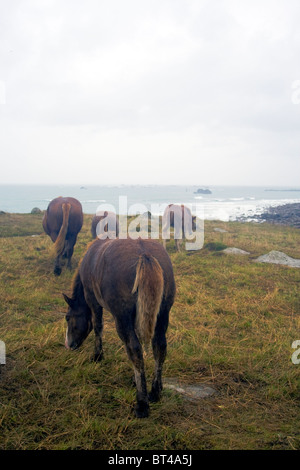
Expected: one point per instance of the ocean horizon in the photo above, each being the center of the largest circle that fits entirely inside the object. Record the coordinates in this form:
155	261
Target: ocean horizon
225	203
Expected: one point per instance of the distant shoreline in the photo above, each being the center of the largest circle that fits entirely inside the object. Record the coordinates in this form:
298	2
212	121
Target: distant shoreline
283	190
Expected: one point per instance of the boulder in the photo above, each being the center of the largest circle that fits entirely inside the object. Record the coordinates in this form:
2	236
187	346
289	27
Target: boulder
287	214
235	251
36	210
203	191
277	257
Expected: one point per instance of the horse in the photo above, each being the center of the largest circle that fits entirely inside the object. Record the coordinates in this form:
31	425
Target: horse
134	280
62	222
179	217
110	221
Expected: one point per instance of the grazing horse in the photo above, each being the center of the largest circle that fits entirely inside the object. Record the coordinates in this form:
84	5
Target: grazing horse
110	221
179	217
133	279
62	222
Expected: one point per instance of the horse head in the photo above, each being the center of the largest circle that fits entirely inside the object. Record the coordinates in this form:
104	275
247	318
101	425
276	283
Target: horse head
79	322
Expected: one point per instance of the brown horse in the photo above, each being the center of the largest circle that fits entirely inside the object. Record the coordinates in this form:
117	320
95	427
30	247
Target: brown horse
133	279
62	222
179	217
110	222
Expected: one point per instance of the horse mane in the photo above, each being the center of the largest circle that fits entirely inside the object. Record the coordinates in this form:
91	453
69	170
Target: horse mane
77	289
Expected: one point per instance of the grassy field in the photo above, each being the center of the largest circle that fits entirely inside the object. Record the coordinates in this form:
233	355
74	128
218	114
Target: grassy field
231	327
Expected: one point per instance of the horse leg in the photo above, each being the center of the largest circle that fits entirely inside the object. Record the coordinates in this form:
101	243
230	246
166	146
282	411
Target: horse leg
97	322
57	265
70	243
97	319
159	346
177	244
135	353
69	255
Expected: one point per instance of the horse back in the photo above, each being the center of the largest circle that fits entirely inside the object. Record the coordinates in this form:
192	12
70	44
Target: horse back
109	266
53	217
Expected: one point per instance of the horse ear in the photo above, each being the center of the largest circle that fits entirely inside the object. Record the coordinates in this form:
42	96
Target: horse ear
69	301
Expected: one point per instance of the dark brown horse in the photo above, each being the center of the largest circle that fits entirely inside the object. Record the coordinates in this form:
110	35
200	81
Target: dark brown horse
109	223
62	222
133	279
179	217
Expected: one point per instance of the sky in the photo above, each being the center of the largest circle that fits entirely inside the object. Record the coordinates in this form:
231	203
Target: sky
163	92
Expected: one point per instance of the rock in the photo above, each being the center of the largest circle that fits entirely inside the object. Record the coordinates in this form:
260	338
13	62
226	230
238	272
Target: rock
190	392
2	212
287	214
221	230
36	210
277	257
203	191
235	251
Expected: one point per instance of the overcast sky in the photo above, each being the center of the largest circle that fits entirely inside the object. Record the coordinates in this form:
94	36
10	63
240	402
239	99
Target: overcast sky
150	92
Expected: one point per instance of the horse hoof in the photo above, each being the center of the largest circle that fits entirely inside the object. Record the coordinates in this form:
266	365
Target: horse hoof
154	395
97	357
57	271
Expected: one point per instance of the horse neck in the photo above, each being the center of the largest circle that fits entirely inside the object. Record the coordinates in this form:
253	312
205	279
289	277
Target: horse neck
78	291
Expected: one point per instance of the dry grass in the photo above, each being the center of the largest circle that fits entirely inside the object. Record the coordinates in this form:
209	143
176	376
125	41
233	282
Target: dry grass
232	327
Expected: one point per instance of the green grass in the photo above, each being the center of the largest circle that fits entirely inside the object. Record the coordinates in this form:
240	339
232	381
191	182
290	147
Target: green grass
215	246
19	225
231	327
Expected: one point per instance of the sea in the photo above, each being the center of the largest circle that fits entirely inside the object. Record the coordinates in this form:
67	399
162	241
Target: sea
224	203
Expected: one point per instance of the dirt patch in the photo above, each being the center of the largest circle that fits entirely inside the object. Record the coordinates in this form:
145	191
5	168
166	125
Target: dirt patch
220	230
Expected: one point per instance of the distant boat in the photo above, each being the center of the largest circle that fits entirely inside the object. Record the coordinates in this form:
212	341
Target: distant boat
83	187
203	191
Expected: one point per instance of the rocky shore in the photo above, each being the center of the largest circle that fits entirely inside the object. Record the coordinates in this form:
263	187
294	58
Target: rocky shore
287	214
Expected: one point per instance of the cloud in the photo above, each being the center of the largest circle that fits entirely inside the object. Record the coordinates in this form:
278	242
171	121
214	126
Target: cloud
170	83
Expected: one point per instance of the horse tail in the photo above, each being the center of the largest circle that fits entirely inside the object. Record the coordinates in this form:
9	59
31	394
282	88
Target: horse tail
149	284
60	241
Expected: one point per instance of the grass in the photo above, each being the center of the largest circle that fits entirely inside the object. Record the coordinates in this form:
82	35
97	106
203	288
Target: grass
231	327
